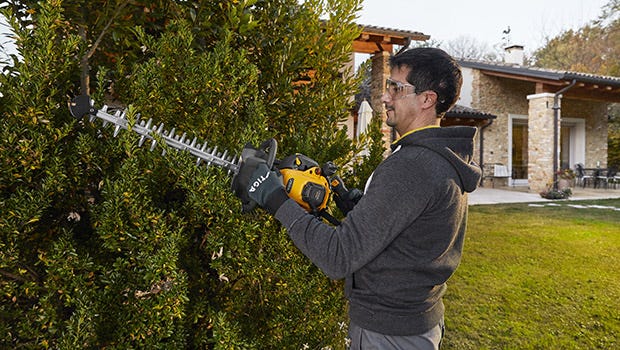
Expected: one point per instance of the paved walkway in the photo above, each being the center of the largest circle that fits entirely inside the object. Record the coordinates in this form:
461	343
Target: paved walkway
487	195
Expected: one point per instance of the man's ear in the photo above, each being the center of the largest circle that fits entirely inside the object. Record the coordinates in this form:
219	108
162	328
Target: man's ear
430	99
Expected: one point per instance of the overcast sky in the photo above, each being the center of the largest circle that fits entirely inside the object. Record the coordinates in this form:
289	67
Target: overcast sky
530	21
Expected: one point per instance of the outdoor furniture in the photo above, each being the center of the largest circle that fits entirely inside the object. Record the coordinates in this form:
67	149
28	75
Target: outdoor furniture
601	177
605	177
500	171
583	177
612	178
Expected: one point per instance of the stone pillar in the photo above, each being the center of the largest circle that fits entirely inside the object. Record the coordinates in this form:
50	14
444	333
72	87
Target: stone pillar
380	71
540	142
348	71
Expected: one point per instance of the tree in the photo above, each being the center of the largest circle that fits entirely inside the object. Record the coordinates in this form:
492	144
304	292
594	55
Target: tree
594	48
469	48
106	244
103	26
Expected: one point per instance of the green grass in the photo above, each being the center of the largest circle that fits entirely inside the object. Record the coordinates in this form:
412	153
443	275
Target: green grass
537	278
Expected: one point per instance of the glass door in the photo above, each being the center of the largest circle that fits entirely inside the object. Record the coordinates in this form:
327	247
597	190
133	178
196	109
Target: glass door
519	150
565	147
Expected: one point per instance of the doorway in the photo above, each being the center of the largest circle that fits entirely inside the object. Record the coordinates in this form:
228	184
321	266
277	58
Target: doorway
572	142
519	150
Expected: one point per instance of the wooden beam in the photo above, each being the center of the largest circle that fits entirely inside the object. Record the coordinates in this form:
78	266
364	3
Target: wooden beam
592	95
540	88
370	47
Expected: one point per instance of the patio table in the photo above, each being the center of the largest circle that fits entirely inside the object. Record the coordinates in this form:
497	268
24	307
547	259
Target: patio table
599	176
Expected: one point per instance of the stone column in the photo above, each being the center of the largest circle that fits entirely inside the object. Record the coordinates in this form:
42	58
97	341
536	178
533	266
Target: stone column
380	72
540	141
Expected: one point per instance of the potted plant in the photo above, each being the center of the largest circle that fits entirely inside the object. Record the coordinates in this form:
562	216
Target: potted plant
556	194
565	178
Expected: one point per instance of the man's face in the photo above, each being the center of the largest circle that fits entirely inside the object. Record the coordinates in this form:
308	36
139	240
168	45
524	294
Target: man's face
400	100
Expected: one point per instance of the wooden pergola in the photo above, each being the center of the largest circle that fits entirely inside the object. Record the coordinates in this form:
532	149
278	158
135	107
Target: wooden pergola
375	39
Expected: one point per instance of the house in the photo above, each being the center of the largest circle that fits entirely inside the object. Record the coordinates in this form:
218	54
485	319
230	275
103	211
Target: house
528	102
514	108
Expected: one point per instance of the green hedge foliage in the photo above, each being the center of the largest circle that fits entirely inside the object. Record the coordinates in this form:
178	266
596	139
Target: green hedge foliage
104	244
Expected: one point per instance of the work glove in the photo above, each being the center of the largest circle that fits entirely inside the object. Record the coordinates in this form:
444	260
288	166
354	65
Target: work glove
266	188
345	199
250	159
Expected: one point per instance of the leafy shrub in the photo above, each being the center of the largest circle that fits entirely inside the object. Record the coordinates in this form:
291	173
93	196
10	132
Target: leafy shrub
104	244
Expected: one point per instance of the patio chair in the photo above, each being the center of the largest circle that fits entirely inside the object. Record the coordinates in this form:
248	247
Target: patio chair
582	178
600	177
612	177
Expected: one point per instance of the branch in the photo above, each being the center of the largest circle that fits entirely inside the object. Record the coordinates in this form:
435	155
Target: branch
92	50
85	74
12	276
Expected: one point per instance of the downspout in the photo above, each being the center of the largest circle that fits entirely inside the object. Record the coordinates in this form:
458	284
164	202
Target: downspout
556	118
482	149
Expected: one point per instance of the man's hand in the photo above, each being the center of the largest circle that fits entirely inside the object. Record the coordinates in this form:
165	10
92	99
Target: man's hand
266	188
242	179
345	199
250	159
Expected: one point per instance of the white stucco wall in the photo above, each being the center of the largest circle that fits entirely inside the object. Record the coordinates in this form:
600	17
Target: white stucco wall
467	87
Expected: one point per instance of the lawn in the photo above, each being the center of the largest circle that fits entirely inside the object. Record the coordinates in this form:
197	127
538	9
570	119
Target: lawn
537	278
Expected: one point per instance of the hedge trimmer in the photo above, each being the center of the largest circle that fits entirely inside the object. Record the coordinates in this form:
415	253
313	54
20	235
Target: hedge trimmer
305	181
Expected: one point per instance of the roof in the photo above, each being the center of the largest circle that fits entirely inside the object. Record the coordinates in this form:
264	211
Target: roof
459	111
376	39
461	115
394	32
541	72
588	86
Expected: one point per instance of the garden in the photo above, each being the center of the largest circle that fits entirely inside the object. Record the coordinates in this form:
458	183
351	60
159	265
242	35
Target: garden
538	277
104	244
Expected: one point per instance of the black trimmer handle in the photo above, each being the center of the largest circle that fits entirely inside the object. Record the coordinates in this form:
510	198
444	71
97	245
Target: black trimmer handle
270	147
80	106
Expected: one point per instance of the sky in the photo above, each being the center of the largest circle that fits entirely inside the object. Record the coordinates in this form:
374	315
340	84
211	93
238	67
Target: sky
6	46
530	21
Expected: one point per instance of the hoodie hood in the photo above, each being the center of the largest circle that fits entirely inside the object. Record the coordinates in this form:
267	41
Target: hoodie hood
455	144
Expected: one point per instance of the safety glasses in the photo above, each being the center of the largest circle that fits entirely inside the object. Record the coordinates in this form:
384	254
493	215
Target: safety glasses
394	87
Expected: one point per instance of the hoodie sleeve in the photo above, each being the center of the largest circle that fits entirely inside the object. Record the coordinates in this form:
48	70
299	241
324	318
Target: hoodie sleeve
396	196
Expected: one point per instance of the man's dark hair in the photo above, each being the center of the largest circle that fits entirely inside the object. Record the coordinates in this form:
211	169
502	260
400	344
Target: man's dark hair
432	69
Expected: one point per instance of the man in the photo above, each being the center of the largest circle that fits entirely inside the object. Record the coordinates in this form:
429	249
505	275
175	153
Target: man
403	239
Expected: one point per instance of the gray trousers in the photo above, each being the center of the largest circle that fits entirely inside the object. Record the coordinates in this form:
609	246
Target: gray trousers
363	339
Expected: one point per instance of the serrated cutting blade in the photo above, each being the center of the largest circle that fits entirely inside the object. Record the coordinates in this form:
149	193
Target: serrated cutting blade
82	105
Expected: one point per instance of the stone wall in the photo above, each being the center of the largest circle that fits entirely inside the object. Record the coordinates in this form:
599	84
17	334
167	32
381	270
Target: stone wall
380	72
540	141
493	95
504	98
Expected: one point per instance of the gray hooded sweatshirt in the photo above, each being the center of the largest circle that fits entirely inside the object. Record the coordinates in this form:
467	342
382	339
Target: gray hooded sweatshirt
403	240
